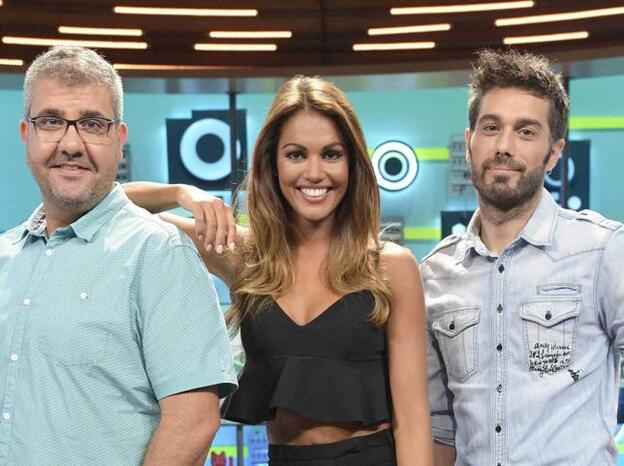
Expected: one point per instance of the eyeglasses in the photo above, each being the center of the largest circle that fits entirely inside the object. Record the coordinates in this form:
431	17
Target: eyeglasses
92	130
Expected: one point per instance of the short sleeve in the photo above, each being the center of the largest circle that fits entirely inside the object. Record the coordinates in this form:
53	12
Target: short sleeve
182	331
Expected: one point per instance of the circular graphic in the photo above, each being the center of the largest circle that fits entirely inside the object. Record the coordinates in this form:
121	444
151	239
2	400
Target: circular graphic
395	165
194	140
209	148
557	183
574	203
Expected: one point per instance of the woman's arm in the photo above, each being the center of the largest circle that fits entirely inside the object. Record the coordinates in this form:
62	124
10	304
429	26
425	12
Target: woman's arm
212	230
155	197
407	358
214	226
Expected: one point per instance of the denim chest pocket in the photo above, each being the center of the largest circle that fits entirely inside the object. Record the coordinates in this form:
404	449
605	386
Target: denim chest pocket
550	333
456	332
75	333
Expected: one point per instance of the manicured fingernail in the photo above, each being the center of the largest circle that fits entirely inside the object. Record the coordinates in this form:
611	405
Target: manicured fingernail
219	249
232	245
208	247
200	237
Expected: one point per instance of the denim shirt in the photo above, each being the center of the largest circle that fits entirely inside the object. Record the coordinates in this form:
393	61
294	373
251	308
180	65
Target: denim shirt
524	347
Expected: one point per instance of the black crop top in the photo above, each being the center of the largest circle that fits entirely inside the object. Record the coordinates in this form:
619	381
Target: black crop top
333	369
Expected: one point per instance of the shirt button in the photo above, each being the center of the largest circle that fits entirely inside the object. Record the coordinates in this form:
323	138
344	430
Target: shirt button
501	268
14	357
27	301
499	347
452	325
499	308
84	295
48	252
499	388
6	416
498	428
548	315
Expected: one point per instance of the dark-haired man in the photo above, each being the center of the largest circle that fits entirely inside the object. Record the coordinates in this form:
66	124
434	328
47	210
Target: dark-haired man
525	310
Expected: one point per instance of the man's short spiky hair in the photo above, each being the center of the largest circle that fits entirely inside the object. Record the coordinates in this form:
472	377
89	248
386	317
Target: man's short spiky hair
74	67
525	71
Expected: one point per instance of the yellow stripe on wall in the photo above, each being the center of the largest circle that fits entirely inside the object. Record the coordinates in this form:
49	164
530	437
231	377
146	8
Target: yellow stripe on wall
434	154
411	233
588	123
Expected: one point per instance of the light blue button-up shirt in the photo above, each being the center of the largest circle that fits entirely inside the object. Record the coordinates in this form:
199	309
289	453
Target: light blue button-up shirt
98	323
524	347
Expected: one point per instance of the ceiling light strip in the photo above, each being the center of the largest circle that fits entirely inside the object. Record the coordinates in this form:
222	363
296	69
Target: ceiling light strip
546	38
203	47
409	29
100	31
393	46
163	67
11	61
138	10
463	8
567	16
250	34
47	42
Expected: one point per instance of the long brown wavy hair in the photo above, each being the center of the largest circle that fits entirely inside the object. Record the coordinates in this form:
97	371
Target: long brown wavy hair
264	266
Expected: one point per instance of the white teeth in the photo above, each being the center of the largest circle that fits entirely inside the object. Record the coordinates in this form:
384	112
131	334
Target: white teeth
314	192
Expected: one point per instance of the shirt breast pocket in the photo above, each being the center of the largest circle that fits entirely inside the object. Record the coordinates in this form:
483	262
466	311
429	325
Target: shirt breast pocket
75	333
456	333
550	333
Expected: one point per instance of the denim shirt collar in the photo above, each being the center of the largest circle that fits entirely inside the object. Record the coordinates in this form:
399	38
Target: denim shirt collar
538	231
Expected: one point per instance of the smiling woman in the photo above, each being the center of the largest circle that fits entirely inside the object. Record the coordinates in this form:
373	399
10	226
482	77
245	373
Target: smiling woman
312	167
331	319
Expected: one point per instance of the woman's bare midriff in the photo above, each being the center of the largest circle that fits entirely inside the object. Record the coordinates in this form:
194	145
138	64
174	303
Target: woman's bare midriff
289	428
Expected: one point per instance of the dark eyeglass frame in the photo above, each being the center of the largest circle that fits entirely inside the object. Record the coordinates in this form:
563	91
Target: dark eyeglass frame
74	123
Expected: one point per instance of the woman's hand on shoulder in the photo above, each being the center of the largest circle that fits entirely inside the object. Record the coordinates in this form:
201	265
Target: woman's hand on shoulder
214	220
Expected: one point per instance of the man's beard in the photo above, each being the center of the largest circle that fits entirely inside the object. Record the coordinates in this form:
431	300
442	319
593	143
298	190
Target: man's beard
498	193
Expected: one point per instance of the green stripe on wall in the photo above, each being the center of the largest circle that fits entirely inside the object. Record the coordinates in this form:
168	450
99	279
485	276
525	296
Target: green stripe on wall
432	154
422	233
587	123
409	233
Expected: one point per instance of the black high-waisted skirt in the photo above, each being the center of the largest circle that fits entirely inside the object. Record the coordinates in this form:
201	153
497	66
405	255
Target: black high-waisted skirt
370	450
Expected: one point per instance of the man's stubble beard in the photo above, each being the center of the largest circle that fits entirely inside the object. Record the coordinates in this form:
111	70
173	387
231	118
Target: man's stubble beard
498	194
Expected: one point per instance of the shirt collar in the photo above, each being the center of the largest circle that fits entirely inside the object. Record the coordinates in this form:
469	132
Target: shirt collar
87	225
540	228
472	240
538	231
34	226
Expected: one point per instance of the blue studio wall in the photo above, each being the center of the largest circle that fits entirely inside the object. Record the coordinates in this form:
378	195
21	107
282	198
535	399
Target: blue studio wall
425	119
